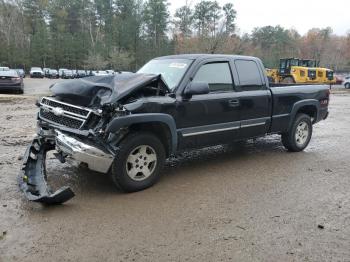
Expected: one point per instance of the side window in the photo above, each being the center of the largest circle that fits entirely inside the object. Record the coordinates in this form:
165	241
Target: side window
217	75
249	75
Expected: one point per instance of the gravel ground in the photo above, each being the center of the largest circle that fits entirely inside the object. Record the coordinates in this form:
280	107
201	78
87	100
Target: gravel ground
249	202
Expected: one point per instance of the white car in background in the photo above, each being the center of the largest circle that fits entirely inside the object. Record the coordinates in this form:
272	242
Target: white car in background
347	82
100	73
110	72
36	72
60	71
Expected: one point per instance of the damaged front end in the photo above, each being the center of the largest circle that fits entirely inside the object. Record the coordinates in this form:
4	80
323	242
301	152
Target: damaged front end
73	123
70	131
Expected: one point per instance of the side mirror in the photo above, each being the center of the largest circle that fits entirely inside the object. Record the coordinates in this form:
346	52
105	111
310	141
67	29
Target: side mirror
196	88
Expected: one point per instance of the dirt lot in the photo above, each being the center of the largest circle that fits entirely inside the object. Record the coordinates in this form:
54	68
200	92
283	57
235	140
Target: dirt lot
255	202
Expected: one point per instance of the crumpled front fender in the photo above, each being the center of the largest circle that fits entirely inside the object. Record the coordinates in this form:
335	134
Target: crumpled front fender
32	177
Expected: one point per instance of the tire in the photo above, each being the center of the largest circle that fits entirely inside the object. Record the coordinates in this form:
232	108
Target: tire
299	135
288	80
347	85
133	169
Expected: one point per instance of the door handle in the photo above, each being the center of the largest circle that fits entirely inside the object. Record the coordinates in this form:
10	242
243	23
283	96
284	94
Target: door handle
233	103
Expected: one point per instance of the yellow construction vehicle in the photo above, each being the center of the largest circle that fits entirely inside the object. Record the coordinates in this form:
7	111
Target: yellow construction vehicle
299	71
325	75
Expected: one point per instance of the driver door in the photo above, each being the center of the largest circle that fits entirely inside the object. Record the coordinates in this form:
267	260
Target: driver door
213	118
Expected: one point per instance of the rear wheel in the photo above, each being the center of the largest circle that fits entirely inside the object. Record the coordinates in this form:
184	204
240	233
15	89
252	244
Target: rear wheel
347	85
299	135
138	163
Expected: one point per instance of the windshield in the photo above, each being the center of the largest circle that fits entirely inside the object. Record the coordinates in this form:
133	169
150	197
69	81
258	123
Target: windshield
294	62
172	70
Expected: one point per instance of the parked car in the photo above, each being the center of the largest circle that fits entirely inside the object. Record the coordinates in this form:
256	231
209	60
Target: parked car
339	79
110	72
128	124
52	73
10	81
67	74
100	73
347	82
60	71
21	72
36	72
75	73
46	71
4	68
81	73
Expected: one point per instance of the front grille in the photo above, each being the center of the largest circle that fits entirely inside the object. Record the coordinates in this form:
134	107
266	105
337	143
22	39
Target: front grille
67	115
65	107
61	120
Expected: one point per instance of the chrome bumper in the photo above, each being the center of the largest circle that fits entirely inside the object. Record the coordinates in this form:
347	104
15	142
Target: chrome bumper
95	158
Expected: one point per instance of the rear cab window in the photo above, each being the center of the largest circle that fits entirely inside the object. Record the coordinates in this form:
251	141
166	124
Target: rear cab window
249	75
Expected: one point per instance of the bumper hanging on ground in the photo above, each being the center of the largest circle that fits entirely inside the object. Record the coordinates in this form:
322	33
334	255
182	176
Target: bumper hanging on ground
32	177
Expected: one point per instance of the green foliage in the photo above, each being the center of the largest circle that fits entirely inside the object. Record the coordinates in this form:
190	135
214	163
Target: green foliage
155	18
83	33
273	43
184	20
124	34
202	17
230	16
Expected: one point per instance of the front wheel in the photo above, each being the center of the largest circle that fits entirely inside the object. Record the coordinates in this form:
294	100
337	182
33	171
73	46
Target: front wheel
347	85
138	163
299	135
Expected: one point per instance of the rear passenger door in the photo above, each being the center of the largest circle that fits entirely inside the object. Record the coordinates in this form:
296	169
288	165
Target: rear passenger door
254	98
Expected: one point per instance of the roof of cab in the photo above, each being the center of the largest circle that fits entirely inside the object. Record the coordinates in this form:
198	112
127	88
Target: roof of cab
205	56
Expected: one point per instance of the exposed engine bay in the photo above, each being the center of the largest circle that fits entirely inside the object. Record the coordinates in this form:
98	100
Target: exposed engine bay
73	122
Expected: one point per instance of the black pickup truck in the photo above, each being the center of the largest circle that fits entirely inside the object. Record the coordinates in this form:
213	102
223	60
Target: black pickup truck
128	124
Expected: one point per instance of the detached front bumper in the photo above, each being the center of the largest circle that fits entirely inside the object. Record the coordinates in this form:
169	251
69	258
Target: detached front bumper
32	177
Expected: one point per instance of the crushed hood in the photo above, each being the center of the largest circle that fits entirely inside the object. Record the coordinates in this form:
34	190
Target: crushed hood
98	90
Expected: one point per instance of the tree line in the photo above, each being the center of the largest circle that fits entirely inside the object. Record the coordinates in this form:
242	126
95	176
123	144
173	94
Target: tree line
124	34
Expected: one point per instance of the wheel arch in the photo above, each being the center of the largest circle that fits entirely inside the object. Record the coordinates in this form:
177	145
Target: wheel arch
309	107
162	125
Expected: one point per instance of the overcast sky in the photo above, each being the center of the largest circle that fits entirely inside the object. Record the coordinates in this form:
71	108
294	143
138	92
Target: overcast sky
302	15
